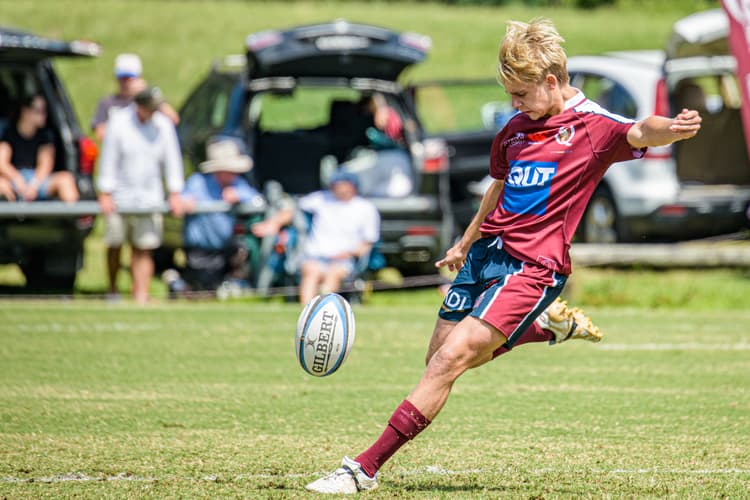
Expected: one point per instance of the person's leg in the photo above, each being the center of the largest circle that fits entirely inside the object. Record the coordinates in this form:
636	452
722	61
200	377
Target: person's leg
311	276
6	190
335	275
440	333
114	236
443	328
62	185
471	344
113	268
510	304
236	258
142	270
146	236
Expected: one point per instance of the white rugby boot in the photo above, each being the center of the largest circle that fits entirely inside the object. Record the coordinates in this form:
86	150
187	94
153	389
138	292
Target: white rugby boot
567	324
347	479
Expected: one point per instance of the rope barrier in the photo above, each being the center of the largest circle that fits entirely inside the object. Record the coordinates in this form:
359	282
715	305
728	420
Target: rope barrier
228	291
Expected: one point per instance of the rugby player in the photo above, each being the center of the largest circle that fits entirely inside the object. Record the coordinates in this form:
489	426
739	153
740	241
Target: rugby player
513	260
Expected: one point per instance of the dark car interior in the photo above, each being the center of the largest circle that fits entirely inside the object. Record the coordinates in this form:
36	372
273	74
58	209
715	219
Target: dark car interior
721	141
17	82
295	156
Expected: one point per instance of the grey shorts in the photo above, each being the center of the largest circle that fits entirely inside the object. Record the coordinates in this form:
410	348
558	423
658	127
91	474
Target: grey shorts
141	231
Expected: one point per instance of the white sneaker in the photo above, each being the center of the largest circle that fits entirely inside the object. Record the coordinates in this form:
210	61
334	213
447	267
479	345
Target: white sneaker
347	479
568	324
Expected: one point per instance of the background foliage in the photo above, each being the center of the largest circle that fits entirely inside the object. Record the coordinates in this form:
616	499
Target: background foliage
178	40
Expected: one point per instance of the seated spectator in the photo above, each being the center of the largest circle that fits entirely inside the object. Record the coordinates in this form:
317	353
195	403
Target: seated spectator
27	157
213	254
343	228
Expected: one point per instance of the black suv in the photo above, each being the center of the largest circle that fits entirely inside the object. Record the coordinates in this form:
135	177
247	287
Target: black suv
292	100
48	248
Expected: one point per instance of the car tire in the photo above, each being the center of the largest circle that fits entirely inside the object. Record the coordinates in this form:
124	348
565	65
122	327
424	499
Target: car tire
39	281
601	221
163	260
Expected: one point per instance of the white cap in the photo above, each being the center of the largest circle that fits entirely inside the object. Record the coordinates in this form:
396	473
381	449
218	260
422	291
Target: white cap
128	65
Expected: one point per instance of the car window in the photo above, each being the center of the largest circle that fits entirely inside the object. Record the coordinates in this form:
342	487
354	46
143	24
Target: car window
707	93
15	83
607	93
304	108
462	106
207	107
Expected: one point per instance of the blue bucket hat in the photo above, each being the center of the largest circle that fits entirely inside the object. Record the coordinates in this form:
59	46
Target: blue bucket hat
342	176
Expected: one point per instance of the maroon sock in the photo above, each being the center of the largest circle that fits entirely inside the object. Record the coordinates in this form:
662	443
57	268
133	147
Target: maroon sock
534	333
405	423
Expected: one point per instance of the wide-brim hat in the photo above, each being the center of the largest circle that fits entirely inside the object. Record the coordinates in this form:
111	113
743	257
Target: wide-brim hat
225	156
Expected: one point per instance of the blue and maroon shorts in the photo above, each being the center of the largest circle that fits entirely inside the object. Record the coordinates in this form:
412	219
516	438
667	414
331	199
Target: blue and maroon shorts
500	289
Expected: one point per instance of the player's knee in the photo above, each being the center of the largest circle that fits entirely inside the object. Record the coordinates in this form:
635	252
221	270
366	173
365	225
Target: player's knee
450	361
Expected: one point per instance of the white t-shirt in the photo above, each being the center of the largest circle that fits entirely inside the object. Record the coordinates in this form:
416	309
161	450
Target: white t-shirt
136	155
339	226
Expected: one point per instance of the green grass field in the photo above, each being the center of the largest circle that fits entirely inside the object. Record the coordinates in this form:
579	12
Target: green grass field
205	400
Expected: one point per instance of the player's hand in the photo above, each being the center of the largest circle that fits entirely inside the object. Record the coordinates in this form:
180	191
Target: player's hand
686	124
455	258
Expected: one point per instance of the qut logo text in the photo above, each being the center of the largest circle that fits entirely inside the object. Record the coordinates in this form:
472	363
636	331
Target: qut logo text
525	174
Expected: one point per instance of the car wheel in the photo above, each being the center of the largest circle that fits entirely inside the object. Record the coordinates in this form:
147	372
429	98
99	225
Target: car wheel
163	260
39	281
601	222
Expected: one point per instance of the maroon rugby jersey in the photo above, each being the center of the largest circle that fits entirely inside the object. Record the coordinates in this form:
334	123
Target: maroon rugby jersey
551	167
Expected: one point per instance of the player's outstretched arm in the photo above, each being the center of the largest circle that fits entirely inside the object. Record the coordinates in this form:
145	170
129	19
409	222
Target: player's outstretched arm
456	255
660	130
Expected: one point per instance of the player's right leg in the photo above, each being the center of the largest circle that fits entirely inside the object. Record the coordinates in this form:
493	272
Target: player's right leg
470	345
567	324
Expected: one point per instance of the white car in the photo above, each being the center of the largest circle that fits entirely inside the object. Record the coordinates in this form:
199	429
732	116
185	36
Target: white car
694	188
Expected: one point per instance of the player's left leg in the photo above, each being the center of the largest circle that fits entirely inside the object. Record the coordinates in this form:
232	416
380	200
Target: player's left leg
470	345
443	328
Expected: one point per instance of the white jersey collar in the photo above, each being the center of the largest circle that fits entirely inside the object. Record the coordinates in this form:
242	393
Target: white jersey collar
576	100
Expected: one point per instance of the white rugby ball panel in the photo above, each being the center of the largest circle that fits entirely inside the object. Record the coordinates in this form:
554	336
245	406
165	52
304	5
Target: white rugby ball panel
325	334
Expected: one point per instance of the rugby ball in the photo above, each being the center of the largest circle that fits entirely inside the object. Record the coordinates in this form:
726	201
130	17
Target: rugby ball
325	334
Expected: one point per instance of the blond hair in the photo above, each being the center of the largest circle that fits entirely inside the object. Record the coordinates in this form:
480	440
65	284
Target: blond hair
529	52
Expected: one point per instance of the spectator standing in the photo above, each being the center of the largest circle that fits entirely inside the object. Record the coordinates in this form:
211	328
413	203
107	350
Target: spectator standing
343	229
140	145
128	72
27	158
213	253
